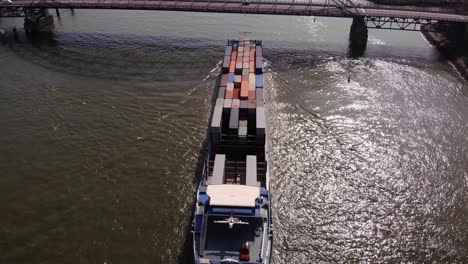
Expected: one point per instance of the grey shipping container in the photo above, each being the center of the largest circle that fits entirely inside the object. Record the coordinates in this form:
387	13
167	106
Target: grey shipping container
251	171
228	51
258	51
227	60
259	94
234	121
215	128
258	63
221	92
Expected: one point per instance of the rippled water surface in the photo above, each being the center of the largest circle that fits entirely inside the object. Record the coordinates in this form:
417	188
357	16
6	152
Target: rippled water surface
102	124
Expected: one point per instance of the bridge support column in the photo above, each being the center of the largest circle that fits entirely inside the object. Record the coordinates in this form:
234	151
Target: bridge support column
38	21
358	36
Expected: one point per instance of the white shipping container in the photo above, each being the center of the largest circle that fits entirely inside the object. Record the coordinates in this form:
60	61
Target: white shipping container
218	170
227	103
261	121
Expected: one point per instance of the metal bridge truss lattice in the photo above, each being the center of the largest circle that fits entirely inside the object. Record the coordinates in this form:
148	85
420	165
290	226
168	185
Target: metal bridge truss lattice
13	12
22	11
347	6
409	24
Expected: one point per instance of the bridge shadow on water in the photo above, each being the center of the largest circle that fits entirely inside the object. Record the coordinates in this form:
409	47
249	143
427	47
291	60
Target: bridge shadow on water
106	56
114	57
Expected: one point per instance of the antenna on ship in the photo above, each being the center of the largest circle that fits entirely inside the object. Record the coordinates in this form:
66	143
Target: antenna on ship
231	221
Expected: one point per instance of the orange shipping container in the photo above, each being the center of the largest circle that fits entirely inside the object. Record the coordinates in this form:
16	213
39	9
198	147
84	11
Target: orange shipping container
244	92
251	66
232	66
233	55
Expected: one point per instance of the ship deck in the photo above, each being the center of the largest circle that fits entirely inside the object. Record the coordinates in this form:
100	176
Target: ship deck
222	242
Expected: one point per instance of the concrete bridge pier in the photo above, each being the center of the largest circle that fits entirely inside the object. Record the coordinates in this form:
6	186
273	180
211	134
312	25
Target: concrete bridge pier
38	20
358	37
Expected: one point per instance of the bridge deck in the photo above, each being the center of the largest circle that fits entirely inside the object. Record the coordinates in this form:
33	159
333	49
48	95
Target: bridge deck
282	7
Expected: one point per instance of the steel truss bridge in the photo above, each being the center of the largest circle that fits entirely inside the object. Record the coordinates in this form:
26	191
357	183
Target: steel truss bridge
375	16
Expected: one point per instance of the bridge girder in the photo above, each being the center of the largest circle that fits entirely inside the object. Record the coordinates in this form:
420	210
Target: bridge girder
340	8
395	23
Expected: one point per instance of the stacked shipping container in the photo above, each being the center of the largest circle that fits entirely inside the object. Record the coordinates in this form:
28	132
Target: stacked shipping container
239	113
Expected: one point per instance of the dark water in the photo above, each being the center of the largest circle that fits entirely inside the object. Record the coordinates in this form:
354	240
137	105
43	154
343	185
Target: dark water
102	124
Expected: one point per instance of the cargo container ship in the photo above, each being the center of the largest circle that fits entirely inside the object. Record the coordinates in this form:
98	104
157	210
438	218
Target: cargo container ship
232	222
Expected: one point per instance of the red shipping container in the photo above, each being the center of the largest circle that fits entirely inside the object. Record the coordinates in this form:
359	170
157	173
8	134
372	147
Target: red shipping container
229	94
224	79
236	93
245	78
251	95
252	54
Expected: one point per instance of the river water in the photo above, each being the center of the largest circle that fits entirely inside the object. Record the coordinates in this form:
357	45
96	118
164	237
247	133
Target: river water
103	122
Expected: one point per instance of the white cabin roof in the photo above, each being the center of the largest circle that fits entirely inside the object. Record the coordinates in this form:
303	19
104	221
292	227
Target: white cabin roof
233	195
